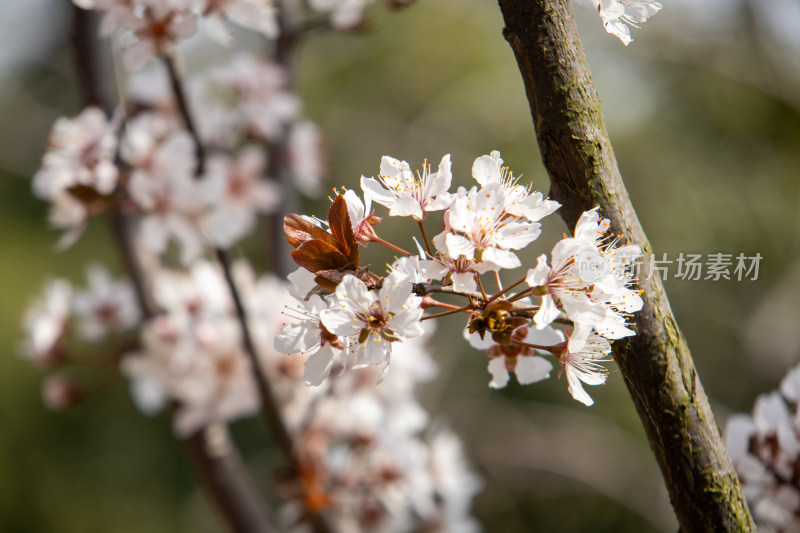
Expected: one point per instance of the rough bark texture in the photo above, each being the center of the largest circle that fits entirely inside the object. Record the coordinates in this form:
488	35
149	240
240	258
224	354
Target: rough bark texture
656	363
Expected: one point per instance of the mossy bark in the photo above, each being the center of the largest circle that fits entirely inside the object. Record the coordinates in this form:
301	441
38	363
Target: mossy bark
656	363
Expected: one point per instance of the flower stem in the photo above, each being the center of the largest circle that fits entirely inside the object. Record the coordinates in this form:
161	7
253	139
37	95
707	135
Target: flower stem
497	280
480	288
503	291
425	238
521	295
450	312
430	302
390	245
556	349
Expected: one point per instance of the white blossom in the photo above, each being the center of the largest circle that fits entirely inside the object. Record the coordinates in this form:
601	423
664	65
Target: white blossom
584	366
239	191
507	358
307	335
147	28
459	271
483	232
618	15
253	95
362	216
519	201
406	194
373	322
588	276
200	366
80	152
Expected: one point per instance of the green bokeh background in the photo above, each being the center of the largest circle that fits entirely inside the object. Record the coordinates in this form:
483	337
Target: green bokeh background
706	127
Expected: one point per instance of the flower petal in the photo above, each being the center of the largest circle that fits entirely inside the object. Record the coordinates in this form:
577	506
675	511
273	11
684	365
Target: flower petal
531	369
499	372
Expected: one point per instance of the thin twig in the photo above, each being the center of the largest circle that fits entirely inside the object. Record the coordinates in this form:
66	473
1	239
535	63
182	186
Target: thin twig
436	303
484	297
269	406
555	349
497	280
390	245
425	238
186	114
446	313
503	291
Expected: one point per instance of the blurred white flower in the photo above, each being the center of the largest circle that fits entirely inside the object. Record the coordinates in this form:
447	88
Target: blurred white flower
45	323
345	14
163	185
60	392
199	294
147	28
238	191
80	152
106	306
306	153
200	366
765	450
618	15
257	15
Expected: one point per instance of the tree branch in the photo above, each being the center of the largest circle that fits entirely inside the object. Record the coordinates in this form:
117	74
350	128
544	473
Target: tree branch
225	482
656	363
228	484
269	401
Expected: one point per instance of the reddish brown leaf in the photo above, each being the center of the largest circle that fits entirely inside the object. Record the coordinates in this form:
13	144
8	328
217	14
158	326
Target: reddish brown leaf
316	255
299	230
325	283
342	229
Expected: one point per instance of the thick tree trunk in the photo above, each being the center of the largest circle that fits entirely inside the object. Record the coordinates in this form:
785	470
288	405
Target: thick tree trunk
656	363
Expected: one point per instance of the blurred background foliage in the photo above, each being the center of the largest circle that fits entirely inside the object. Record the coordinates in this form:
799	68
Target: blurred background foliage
704	113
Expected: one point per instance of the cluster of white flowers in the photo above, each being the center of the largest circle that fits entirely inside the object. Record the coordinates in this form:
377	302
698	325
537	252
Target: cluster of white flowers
368	456
150	160
191	354
106	307
361	442
186	162
365	441
765	450
355	318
